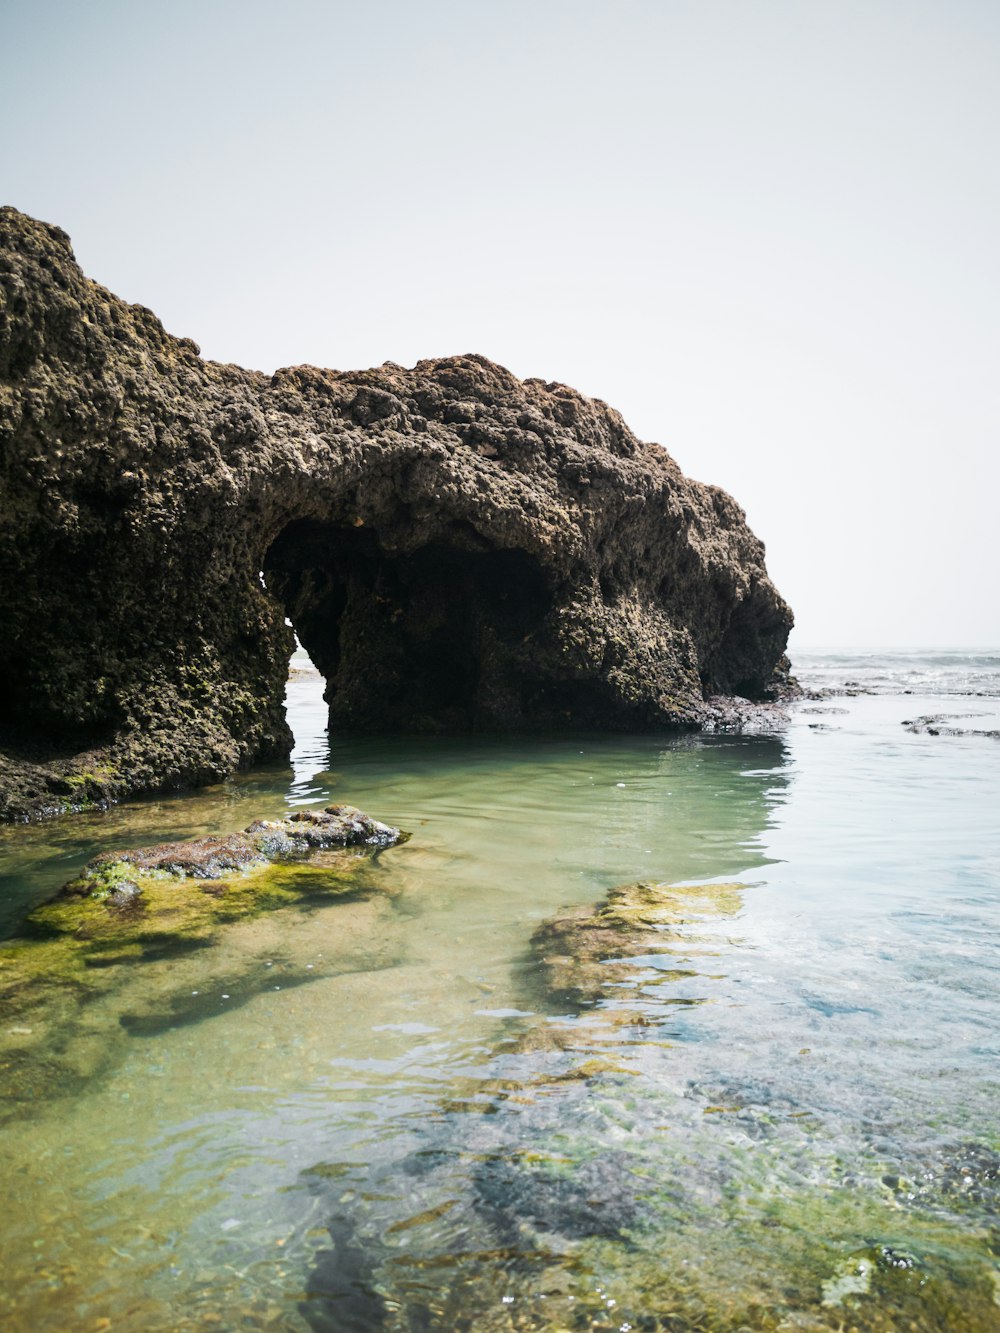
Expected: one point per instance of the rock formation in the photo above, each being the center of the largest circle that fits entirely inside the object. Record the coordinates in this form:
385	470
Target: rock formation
117	950
588	954
455	547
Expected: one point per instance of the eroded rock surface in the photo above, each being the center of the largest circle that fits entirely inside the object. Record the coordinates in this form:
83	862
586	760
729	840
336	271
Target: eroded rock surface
224	857
456	548
219	855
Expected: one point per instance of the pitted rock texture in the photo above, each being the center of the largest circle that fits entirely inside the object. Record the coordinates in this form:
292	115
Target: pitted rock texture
456	548
220	856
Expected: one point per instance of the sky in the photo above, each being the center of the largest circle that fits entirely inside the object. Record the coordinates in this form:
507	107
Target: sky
766	231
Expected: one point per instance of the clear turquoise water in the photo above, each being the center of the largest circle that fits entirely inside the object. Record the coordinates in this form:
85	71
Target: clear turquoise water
790	1120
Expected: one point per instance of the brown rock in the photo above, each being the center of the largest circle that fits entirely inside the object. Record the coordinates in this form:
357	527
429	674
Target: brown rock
457	548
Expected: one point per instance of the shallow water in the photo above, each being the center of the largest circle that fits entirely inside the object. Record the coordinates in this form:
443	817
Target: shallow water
376	1113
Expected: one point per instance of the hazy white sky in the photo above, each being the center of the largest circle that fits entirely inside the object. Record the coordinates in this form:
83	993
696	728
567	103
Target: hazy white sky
765	230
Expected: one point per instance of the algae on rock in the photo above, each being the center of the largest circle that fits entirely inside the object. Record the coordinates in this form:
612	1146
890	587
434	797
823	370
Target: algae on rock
555	1189
589	953
129	934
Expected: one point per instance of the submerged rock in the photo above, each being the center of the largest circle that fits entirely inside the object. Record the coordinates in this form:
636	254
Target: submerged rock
963	1176
126	896
160	907
221	867
618	1200
587	951
944	724
457	548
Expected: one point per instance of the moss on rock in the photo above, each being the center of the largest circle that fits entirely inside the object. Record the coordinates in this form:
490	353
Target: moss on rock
156	904
586	951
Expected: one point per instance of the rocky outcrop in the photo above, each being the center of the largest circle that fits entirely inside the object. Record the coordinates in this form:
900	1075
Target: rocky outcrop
950	724
455	547
219	856
122	949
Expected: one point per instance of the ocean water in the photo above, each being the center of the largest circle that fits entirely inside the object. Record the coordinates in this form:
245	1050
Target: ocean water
402	1111
955	673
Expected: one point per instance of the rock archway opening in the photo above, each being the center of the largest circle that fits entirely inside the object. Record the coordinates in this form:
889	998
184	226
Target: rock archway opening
429	638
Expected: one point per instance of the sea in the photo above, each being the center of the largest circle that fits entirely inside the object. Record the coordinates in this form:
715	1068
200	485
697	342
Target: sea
427	1107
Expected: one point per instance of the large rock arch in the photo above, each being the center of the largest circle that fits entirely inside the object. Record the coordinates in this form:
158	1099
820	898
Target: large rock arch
456	547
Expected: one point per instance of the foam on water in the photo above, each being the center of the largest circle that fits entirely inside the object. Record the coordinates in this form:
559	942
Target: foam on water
956	672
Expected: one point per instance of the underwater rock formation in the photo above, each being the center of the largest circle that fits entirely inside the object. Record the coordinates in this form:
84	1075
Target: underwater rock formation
565	1191
219	865
588	952
129	936
455	547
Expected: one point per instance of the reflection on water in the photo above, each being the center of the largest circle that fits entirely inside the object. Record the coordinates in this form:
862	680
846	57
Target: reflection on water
434	1106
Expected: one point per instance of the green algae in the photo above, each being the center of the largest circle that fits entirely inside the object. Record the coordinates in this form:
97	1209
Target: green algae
793	1242
187	908
817	1260
747	1221
78	952
64	940
184	891
95	776
590	953
824	1258
772	1253
667	905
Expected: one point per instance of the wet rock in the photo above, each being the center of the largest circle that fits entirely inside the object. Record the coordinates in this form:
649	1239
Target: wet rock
126	896
310	830
722	714
943	724
457	549
130	938
202	858
588	950
218	856
42	780
849	690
